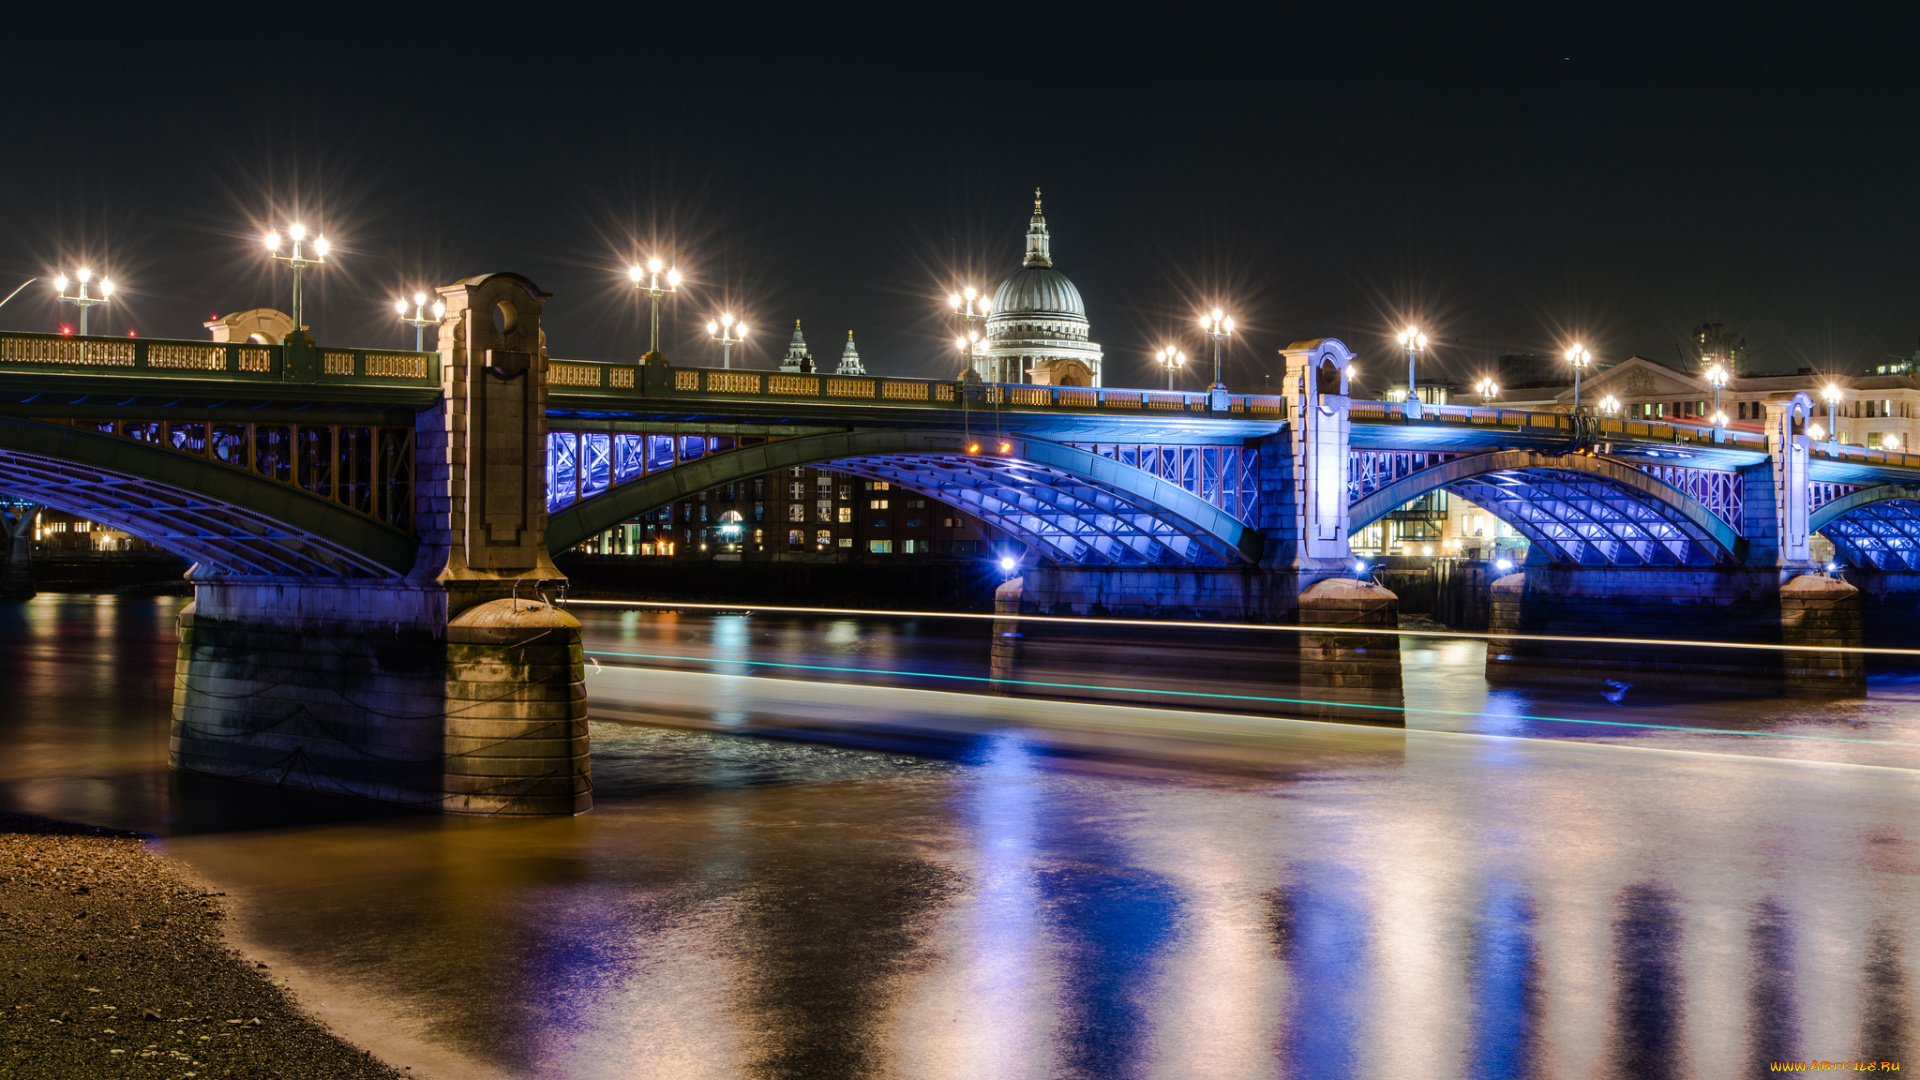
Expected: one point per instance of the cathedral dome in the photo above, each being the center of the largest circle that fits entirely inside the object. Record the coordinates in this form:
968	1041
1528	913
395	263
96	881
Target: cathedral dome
1038	290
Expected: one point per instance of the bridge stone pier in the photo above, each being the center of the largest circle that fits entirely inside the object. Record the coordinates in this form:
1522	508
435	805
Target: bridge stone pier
455	684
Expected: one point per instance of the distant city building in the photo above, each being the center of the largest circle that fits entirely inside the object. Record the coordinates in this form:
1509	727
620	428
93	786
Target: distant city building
798	359
849	359
1713	342
1038	331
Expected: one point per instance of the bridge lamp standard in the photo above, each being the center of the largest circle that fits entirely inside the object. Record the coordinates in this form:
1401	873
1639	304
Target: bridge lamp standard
299	261
723	332
647	280
1831	395
419	321
1487	389
1413	342
1217	325
1717	376
970	306
1610	406
79	298
1578	358
1170	358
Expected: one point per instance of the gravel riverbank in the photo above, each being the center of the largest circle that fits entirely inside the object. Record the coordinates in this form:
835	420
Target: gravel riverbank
113	964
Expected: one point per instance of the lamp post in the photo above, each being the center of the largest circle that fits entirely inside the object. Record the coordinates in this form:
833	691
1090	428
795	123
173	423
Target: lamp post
1415	343
1488	390
647	280
1170	358
297	260
1610	405
420	321
1218	326
80	299
723	332
970	306
1578	358
1717	378
1831	395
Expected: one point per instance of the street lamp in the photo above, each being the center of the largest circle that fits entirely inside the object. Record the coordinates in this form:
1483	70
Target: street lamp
420	321
1415	343
80	299
1579	358
1218	326
299	262
647	280
1831	395
1488	390
970	306
723	332
1610	405
1170	358
1717	378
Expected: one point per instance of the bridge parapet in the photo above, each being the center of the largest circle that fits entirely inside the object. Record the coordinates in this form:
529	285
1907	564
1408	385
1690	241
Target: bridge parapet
568	378
298	360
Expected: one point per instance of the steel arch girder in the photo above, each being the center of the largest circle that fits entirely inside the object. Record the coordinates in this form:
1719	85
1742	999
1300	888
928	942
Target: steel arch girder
216	515
1877	527
1706	534
1190	514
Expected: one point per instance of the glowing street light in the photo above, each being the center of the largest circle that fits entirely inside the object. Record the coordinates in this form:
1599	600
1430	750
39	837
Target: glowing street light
647	280
420	321
1487	389
723	332
1610	405
299	261
970	306
79	298
1831	394
1717	378
1217	325
1578	358
1170	358
1414	343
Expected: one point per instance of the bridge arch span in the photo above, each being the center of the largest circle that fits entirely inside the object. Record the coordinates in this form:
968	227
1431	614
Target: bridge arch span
1590	511
227	520
1875	527
1070	505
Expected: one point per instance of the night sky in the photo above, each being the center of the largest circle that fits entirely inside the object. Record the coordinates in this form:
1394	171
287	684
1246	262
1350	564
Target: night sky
1509	185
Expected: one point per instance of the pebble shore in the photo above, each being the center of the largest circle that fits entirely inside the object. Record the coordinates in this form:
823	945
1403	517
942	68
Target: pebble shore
113	964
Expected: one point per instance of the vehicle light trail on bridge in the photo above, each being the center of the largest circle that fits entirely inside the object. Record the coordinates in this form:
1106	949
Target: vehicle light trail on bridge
750	664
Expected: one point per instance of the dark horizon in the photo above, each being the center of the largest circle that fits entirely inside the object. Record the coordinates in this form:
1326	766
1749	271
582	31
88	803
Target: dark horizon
1508	187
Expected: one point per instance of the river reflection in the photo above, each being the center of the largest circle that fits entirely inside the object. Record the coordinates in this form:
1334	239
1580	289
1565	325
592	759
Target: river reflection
1386	904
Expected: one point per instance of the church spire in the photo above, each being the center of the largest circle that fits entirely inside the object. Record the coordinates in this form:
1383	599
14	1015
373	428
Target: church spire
850	359
798	358
1038	243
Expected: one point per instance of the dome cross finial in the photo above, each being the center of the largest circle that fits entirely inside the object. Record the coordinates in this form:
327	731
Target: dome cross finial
1039	245
1036	202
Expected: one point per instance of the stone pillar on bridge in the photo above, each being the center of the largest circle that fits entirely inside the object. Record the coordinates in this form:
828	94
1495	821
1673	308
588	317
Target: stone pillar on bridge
16	550
1303	470
458	687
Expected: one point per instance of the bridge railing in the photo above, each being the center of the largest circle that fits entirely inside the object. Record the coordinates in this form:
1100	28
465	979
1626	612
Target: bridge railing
1595	427
655	381
59	354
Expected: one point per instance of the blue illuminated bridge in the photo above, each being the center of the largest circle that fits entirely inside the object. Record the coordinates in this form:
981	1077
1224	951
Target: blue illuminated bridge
370	529
274	460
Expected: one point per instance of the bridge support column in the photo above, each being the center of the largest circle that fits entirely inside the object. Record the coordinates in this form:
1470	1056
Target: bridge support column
458	687
16	551
1355	677
1304	471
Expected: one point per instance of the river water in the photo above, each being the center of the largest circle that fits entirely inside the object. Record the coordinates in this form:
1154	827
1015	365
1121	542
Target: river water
959	883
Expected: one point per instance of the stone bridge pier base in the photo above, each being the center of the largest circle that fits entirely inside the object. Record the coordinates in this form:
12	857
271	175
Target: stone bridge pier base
372	691
1766	606
1889	606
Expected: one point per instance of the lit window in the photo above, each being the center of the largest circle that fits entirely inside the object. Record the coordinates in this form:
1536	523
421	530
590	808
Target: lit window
846	515
876	504
846	541
880	547
796	490
824	538
910	547
797	537
797	512
825	509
